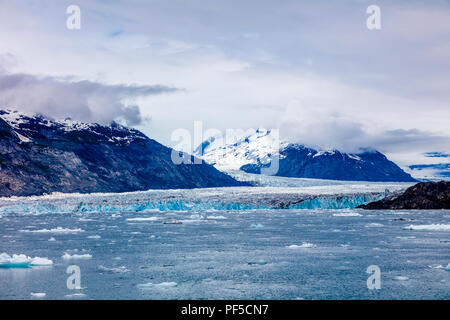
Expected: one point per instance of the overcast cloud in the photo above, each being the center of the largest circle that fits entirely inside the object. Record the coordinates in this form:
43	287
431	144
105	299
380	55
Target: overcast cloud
311	68
80	100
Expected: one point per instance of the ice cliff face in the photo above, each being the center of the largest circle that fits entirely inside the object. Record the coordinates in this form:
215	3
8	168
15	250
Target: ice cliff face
254	152
38	155
312	196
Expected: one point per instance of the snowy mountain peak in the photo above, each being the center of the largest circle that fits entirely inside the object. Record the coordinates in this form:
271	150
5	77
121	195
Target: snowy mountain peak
253	152
235	149
29	127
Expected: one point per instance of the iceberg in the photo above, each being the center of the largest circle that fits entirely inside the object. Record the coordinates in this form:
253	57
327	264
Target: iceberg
68	256
22	261
38	294
431	227
143	219
121	269
347	214
401	278
75	296
303	245
58	230
163	285
37	261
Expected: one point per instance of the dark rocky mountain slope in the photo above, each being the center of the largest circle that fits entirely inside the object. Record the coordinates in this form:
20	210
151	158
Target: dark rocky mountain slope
39	155
424	195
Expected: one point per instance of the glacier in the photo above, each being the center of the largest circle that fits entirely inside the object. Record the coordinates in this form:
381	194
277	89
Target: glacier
293	194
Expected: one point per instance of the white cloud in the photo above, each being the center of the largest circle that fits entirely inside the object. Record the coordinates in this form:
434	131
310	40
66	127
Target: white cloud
242	63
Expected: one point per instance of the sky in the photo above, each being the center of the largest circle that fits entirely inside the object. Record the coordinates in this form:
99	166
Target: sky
310	68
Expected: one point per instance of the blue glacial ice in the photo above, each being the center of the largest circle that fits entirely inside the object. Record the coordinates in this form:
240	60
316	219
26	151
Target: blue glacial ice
321	196
22	261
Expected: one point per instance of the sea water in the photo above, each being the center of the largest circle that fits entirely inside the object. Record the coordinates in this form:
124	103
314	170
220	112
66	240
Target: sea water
226	254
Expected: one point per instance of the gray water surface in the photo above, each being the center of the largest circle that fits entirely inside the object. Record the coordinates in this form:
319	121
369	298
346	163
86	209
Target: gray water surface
230	255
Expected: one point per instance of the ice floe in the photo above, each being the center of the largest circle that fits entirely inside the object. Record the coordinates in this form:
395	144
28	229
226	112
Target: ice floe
57	230
143	219
303	245
75	296
432	227
347	214
68	256
22	261
216	217
374	225
161	285
38	294
121	269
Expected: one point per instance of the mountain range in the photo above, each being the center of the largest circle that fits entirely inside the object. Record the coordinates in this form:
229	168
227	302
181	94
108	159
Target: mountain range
254	152
40	155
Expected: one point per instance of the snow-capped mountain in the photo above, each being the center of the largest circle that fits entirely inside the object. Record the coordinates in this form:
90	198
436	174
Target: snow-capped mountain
254	152
253	148
39	155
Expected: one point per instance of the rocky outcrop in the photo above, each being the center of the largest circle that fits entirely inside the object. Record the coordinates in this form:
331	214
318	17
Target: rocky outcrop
424	195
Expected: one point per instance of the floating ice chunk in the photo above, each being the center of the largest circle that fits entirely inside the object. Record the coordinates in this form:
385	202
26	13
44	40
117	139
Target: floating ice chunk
143	219
67	256
14	261
121	269
75	296
37	261
347	214
161	285
303	245
94	237
52	239
216	217
58	230
257	226
401	278
374	225
433	227
406	238
38	294
22	261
